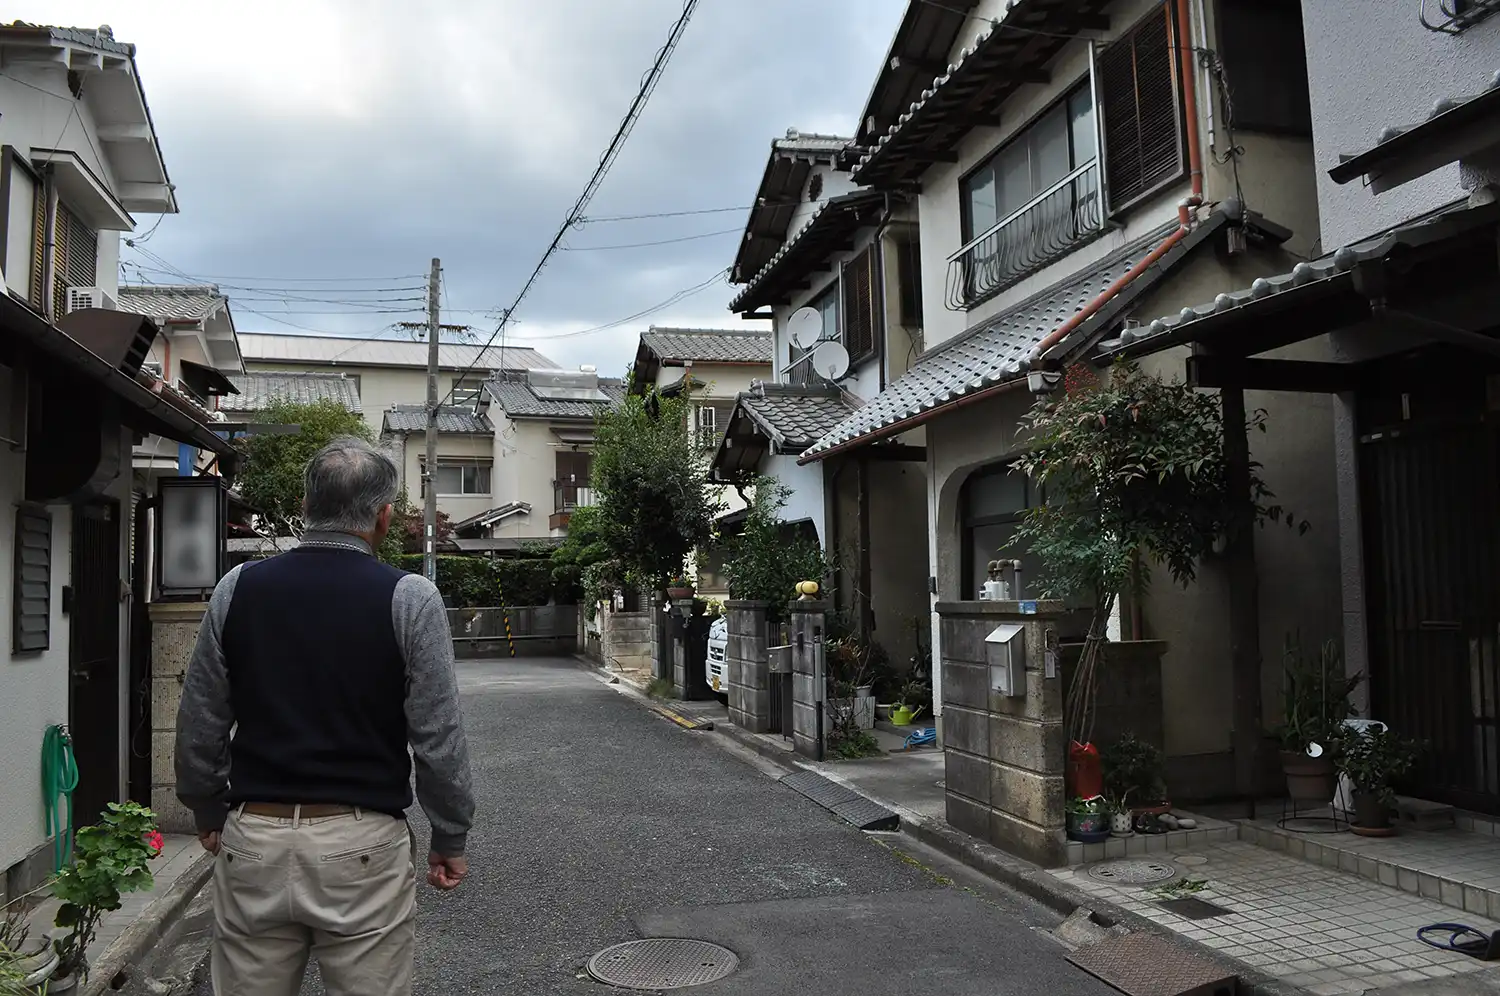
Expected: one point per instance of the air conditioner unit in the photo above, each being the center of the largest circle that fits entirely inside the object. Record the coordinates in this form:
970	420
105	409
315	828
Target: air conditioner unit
80	298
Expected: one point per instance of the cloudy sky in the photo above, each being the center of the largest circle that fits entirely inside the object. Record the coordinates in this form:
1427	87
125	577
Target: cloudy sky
347	139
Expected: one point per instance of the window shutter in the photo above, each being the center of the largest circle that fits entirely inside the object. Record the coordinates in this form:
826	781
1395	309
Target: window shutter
76	259
32	602
36	294
1143	137
859	305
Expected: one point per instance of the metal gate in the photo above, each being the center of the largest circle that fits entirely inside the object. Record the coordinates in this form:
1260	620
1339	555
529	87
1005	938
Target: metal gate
93	609
1432	544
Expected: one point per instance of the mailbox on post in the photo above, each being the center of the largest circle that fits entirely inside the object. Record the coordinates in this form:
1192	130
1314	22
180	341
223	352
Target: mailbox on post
1005	652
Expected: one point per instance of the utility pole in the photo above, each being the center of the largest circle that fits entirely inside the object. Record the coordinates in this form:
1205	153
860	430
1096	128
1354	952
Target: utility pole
429	477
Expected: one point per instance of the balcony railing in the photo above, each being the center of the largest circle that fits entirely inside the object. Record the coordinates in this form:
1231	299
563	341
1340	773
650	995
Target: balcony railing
566	497
1047	227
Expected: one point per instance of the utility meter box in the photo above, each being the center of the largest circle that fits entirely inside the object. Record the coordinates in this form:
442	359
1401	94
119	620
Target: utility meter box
1005	652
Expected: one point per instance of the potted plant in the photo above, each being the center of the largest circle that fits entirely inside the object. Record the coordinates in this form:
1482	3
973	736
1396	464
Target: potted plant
1088	819
679	586
1373	760
914	699
1316	695
1133	769
109	858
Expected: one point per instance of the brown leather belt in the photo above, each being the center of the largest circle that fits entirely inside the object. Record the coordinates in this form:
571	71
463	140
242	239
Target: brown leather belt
288	811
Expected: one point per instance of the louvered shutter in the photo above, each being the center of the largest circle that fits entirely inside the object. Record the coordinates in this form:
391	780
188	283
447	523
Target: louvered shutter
1143	129
77	258
36	293
859	305
31	606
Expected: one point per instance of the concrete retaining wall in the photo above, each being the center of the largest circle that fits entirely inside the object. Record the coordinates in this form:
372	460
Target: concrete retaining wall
749	670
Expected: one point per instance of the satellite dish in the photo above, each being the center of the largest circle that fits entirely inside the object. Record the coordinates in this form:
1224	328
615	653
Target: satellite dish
805	327
831	359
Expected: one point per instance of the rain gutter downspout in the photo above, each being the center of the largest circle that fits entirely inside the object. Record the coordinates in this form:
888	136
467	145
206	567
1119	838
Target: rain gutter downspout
1185	221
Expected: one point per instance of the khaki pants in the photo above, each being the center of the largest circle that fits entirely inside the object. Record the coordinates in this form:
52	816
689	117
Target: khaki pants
342	888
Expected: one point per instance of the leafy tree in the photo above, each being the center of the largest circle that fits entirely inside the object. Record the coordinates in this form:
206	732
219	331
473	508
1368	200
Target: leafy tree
1133	471
764	563
653	505
271	477
405	535
583	560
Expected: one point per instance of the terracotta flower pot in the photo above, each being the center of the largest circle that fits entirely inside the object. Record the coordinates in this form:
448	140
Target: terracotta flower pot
1309	779
1371	816
679	593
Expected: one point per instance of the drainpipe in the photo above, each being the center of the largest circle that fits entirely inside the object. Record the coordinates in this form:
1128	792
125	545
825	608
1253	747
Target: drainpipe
49	244
1185	219
885	305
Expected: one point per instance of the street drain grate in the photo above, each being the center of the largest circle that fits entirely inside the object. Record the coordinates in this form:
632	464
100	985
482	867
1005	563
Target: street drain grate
1194	909
1133	871
662	963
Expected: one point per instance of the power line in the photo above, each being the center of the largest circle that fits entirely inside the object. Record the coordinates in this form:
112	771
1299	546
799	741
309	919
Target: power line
660	214
681	295
662	242
648	86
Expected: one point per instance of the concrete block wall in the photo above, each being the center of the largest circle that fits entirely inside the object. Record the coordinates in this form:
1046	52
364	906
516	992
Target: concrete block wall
174	633
625	639
809	675
1005	756
747	662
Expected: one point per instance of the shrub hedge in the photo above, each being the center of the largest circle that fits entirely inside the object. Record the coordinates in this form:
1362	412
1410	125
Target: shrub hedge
474	582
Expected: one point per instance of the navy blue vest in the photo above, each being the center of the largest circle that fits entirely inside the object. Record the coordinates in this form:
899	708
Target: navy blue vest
317	683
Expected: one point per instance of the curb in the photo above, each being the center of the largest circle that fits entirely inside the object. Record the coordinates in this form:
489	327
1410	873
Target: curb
1028	878
148	928
680	720
636	691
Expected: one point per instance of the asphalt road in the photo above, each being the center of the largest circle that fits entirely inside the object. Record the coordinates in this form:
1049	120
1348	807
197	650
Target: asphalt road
600	822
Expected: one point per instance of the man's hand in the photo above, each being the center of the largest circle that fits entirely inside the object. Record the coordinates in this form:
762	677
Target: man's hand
445	873
210	841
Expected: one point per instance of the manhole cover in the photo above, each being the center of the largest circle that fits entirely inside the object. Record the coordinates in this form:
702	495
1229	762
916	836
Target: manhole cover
662	963
1133	871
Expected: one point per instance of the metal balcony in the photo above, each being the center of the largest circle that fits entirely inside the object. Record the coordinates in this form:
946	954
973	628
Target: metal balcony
1046	228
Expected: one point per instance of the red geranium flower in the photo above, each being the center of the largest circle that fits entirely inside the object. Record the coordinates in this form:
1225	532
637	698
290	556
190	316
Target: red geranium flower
155	841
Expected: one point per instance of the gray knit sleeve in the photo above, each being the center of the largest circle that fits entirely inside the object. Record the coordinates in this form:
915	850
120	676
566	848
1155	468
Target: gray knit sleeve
434	722
205	718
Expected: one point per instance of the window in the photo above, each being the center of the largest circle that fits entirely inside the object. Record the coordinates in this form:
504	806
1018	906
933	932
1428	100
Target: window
76	261
707	421
827	305
993	502
1057	143
571	486
32	600
466	389
861	323
1145	147
909	280
20	249
461	477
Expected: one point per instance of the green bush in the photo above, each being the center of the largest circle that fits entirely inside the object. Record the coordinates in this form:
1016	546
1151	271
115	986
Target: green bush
475	582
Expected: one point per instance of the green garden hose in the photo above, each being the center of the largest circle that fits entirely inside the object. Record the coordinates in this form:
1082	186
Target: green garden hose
59	778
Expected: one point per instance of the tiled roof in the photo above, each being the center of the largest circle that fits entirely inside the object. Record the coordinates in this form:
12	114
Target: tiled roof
348	351
834	218
795	418
1411	140
259	390
173	301
796	141
493	515
999	349
708	345
450	418
518	400
93	37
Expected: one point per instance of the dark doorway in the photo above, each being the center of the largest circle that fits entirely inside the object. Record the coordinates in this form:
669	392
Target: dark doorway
94	656
1432	545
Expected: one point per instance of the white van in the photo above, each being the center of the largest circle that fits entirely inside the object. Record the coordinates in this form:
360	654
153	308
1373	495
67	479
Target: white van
718	661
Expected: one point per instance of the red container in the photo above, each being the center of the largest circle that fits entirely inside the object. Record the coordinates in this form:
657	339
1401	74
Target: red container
1085	778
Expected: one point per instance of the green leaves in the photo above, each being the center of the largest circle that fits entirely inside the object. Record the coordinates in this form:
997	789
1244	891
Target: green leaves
271	478
763	562
1132	467
109	858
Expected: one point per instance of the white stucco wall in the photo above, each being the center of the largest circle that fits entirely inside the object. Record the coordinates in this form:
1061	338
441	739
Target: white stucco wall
806	486
1371	64
525	466
33	687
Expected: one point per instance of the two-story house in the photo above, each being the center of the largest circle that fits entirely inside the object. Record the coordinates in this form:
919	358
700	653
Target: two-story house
543	450
1402	303
711	366
79	164
385	379
845	262
1077	169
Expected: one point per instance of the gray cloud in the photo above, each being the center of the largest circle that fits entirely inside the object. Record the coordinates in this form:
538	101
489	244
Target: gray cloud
361	140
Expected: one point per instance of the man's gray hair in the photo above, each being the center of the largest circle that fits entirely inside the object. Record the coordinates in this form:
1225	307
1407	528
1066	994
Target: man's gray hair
348	482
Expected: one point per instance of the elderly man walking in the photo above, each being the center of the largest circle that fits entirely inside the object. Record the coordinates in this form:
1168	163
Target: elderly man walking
313	674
